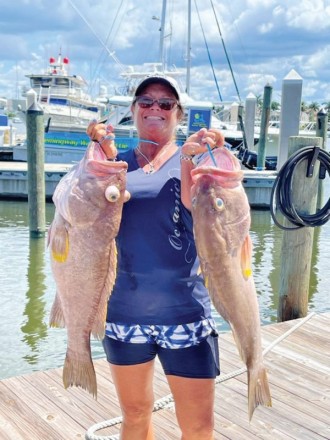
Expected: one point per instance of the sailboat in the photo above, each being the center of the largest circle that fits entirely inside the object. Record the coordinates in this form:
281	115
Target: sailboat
119	105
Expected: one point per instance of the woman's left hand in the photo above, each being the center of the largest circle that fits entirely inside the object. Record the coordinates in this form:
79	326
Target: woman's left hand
103	135
196	143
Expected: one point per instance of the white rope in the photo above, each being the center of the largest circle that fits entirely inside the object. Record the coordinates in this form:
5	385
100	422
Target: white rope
167	401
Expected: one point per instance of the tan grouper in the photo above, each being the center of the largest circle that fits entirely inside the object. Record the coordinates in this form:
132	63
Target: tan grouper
88	208
221	215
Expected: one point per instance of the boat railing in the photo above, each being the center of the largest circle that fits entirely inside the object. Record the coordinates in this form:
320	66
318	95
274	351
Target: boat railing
308	126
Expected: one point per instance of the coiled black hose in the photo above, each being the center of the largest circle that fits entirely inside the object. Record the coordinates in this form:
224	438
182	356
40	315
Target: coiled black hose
281	195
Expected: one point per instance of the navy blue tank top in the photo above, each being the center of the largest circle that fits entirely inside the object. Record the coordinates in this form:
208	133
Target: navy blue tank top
158	281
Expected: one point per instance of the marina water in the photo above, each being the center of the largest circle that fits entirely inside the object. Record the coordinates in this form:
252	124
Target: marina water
27	288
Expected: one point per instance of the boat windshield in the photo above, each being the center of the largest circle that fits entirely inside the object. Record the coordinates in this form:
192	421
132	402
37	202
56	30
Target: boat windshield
41	81
63	82
44	81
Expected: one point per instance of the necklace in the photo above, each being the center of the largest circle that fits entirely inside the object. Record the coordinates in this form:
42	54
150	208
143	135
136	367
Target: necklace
153	162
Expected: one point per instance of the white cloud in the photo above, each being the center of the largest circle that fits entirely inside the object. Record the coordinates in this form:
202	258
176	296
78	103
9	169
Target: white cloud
311	15
265	28
264	39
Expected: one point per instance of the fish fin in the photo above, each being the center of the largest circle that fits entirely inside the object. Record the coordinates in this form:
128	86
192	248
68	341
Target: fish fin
56	318
98	327
49	233
246	257
79	374
59	244
202	270
258	389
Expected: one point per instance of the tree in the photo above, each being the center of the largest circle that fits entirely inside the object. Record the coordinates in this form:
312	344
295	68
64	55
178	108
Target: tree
326	106
275	106
313	108
304	107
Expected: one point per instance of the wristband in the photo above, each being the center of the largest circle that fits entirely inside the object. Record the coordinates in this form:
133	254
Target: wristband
186	157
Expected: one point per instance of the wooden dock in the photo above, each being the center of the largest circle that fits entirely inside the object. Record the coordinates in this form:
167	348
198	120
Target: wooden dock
14	182
36	406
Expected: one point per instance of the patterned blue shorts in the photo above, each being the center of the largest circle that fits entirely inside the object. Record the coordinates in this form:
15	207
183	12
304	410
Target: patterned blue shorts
166	336
186	350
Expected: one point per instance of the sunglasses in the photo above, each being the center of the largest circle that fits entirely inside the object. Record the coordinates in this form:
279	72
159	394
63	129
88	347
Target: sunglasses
163	103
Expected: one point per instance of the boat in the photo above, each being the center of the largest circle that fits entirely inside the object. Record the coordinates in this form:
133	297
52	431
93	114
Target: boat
67	108
8	137
16	120
120	116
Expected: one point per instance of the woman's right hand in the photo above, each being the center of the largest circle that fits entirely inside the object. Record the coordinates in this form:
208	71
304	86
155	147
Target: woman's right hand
196	143
103	135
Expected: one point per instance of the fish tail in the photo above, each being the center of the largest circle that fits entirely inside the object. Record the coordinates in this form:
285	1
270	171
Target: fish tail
259	392
79	374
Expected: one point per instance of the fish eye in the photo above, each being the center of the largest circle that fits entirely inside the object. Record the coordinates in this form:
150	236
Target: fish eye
112	193
219	204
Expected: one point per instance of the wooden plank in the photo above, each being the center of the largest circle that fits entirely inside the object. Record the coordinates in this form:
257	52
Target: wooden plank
27	423
36	406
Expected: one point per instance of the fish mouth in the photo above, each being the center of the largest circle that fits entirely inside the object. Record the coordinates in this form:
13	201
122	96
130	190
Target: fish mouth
227	173
224	178
104	168
98	164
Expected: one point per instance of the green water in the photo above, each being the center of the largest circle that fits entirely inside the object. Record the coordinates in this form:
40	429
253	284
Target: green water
27	288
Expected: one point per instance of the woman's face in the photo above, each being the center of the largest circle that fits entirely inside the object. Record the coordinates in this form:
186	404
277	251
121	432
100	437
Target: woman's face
153	123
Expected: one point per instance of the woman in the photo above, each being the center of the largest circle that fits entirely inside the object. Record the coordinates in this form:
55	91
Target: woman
159	305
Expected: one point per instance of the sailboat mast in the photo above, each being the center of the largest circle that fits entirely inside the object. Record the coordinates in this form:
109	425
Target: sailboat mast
162	31
188	49
225	50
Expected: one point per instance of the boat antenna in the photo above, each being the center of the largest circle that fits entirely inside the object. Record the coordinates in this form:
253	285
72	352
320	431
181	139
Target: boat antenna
112	54
224	48
162	31
188	49
208	53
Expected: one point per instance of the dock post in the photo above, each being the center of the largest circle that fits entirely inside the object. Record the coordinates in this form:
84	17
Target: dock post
265	115
322	127
234	114
249	119
322	132
297	244
36	173
290	113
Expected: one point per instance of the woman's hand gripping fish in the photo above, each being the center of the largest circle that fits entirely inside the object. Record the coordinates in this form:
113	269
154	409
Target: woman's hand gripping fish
88	202
221	215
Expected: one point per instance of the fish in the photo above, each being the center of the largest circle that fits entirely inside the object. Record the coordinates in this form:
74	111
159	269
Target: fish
221	224
81	239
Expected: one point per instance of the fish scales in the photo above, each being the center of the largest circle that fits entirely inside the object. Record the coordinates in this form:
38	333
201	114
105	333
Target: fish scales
88	207
221	216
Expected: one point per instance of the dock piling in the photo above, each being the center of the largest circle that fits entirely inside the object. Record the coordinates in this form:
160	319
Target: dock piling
265	115
290	113
322	132
297	244
36	174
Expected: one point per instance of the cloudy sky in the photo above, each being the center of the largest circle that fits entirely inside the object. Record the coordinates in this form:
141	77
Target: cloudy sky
264	40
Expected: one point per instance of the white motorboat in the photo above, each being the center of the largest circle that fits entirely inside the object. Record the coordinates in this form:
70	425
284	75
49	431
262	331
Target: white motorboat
68	109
